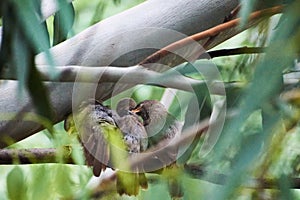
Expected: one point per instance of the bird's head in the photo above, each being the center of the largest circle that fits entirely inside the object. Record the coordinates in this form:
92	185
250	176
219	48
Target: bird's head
149	110
124	106
94	109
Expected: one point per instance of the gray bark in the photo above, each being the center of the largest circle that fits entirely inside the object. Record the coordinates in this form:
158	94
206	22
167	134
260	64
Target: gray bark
118	41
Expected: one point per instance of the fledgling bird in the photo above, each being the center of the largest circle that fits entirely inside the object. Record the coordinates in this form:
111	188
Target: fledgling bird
161	128
135	135
160	125
96	127
136	141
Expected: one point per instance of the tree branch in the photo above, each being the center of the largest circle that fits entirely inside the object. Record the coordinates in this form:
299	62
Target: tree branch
34	156
235	51
116	74
130	75
212	32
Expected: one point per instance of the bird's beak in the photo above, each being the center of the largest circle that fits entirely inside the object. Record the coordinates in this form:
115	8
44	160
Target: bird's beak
136	110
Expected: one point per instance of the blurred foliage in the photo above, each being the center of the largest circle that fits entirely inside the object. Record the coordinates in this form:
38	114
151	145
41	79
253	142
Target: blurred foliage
89	13
23	36
261	140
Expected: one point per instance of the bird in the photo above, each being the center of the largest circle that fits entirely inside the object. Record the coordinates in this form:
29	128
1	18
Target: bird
135	135
161	128
136	141
160	125
96	126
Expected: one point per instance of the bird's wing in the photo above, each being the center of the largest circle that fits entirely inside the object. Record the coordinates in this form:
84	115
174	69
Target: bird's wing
136	141
134	132
171	129
94	124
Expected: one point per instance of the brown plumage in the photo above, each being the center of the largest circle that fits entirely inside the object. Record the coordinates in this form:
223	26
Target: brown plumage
135	138
161	128
159	124
135	135
92	116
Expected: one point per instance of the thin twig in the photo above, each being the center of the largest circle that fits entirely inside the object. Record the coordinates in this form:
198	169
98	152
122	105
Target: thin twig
208	33
35	155
235	51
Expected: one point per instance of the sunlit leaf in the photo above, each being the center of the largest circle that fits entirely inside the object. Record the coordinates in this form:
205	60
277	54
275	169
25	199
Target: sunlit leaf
64	182
16	185
41	182
98	14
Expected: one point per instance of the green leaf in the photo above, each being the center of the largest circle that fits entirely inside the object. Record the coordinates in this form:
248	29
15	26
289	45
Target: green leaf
16	185
63	22
22	55
31	23
41	181
98	14
284	185
8	18
157	190
28	14
39	94
247	7
117	146
22	49
63	184
116	2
